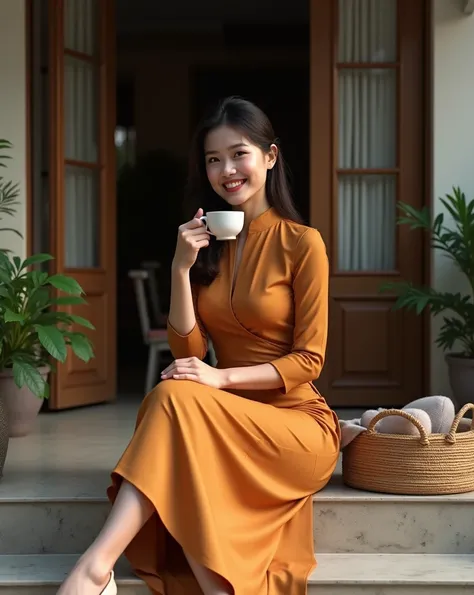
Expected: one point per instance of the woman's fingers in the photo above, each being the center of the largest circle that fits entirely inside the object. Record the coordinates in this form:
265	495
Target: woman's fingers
199	213
193	224
185	377
197	236
188	363
195	233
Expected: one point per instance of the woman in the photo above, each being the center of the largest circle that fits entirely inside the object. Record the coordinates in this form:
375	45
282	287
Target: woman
213	493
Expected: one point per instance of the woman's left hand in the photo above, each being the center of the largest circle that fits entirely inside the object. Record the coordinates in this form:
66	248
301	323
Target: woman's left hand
192	368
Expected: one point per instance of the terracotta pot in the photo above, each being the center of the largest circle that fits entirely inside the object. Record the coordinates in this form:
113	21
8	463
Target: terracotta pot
21	404
4	434
461	378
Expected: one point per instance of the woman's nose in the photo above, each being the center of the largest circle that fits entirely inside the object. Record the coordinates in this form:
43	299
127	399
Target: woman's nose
229	168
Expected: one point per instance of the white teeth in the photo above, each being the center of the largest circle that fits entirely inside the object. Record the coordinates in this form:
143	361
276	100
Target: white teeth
233	184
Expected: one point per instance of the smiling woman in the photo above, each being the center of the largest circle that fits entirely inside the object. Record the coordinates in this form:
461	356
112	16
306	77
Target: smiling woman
239	168
235	147
213	493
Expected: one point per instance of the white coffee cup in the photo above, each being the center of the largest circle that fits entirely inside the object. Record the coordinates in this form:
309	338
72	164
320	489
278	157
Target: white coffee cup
225	225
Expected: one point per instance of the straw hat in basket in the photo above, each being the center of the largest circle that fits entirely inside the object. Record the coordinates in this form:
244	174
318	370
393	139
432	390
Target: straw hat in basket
425	464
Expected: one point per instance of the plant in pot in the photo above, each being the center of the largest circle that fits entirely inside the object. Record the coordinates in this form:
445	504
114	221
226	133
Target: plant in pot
456	334
8	202
33	332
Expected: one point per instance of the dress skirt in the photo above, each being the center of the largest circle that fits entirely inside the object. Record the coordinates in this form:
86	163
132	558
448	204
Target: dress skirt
231	481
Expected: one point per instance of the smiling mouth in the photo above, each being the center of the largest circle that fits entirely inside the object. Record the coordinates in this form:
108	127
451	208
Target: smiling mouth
234	186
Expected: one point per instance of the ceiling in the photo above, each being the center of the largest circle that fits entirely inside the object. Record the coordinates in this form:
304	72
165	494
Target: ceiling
152	15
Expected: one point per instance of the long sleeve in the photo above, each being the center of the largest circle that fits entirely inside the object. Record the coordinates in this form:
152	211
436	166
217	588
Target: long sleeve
194	344
310	289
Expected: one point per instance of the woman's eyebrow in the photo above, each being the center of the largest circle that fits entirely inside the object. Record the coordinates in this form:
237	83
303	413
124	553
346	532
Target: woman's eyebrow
237	146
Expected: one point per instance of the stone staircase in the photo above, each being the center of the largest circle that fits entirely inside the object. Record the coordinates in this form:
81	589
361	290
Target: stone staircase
366	543
52	504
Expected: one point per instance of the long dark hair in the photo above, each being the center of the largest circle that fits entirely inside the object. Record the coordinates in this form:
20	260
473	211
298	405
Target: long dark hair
255	125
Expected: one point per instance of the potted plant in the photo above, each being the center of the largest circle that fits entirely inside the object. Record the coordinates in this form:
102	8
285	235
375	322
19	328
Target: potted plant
33	331
456	335
8	202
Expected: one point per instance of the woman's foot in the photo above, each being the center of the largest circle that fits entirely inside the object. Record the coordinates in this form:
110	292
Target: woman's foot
86	579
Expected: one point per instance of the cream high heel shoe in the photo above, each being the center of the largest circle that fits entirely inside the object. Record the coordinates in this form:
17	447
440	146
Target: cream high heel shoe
111	588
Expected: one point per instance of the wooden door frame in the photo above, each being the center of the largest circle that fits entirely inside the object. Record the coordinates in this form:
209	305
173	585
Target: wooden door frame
323	159
428	182
318	155
107	149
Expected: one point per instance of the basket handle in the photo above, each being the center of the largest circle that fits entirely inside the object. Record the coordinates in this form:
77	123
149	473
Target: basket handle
451	437
392	412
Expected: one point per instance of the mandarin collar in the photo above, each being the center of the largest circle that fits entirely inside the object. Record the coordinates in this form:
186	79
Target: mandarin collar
267	219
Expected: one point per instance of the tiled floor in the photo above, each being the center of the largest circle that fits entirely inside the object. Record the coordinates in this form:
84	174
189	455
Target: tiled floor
70	454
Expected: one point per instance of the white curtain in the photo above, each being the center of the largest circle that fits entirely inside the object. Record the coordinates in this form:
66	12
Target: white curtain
81	135
80	25
82	217
367	127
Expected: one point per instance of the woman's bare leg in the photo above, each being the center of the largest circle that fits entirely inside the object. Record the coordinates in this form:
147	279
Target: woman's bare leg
210	583
129	513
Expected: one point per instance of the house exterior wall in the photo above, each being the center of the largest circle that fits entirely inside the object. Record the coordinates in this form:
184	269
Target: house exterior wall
452	147
13	105
453	140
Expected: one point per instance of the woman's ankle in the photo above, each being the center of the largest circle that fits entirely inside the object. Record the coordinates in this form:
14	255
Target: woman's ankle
94	565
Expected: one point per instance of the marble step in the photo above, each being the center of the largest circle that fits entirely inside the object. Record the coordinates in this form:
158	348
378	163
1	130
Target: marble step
42	575
59	521
337	574
353	521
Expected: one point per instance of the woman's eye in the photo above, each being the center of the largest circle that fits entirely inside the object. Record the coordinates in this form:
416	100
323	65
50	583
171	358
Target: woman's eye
240	153
212	160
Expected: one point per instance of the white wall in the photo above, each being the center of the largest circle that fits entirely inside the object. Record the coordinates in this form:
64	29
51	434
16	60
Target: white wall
13	111
453	140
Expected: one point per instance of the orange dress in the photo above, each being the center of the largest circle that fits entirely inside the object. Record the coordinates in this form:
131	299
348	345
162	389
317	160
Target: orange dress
231	473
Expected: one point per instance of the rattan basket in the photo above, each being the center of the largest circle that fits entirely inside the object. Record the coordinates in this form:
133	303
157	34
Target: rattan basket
432	464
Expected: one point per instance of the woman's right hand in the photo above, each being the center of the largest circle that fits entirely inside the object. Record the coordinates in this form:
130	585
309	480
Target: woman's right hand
192	236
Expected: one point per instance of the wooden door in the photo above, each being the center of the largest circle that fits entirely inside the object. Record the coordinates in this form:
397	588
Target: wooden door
82	191
367	123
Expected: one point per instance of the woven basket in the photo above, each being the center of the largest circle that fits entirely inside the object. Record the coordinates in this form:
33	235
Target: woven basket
432	464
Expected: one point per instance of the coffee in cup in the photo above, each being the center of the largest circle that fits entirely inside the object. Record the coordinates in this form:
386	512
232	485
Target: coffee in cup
225	225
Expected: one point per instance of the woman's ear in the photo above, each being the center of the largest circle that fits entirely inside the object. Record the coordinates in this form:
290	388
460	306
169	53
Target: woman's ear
272	156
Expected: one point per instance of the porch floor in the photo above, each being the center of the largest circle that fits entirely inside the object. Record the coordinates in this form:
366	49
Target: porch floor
70	454
53	502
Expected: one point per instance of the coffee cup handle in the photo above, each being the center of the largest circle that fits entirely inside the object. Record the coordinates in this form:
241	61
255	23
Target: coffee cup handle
204	220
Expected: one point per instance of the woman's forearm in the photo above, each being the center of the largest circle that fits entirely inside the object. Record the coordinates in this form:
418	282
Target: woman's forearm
260	377
181	315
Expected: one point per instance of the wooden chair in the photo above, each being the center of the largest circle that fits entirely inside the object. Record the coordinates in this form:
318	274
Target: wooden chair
152	267
155	338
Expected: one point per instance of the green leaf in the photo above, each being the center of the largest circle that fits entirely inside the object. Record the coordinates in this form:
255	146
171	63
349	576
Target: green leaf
16	260
53	341
82	321
66	284
39	278
37	259
66	300
24	373
81	346
12	230
4	259
11	316
7	271
38	300
53	318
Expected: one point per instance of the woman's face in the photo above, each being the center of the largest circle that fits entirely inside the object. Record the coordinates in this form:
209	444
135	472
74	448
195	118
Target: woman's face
236	168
